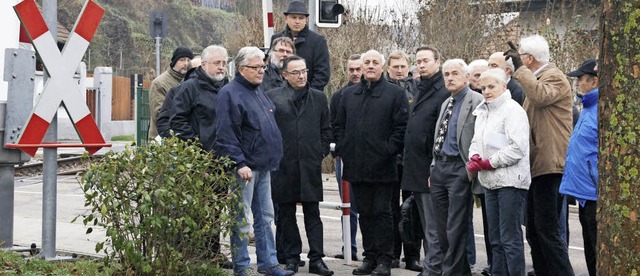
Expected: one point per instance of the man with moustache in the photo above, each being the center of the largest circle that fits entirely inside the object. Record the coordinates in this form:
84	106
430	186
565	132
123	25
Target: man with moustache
450	181
302	114
309	45
194	109
418	152
369	130
281	48
354	73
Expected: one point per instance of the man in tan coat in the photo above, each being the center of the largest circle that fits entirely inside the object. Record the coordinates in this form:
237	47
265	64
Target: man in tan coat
161	85
548	104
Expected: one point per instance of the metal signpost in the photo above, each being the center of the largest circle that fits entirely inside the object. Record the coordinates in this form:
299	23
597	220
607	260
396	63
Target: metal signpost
60	88
158	30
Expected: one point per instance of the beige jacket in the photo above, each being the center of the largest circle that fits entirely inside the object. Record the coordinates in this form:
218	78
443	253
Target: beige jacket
159	88
548	105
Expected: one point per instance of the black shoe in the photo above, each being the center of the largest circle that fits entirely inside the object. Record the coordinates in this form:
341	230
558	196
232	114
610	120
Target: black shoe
301	263
486	271
395	263
382	270
413	265
531	273
365	269
320	268
292	264
354	257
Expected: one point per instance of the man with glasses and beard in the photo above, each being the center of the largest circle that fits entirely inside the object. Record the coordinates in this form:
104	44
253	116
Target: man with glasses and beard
281	48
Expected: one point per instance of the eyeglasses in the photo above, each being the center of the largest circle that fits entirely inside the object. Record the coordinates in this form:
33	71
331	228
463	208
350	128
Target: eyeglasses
525	54
298	72
257	67
283	51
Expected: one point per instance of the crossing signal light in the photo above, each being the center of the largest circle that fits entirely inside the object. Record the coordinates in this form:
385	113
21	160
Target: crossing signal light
329	13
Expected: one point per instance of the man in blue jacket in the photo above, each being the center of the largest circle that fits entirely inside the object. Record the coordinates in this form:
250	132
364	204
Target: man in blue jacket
580	178
246	132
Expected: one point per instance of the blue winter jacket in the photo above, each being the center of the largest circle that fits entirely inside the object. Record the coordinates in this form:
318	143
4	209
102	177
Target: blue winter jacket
246	130
581	168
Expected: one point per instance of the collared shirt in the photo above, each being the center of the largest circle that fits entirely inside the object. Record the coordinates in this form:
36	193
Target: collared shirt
450	145
540	69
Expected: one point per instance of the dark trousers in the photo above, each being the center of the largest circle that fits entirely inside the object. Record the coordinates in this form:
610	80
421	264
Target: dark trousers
291	242
451	195
548	248
471	238
411	252
504	210
376	220
432	265
587	214
485	227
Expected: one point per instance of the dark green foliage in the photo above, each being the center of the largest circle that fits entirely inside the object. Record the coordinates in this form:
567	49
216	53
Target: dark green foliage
161	206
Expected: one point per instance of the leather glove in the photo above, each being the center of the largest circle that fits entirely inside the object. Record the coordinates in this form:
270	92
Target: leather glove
486	165
474	167
514	55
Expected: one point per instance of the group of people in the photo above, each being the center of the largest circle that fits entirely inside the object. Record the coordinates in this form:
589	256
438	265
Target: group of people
498	129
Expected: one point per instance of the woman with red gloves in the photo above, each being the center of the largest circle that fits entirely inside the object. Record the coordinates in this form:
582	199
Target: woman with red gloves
499	154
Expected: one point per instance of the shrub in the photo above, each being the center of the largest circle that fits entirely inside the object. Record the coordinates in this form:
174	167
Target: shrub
162	205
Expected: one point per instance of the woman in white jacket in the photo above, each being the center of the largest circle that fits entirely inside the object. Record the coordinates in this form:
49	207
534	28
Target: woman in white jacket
499	153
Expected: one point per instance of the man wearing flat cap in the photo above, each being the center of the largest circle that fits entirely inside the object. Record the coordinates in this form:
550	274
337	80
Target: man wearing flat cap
165	81
310	45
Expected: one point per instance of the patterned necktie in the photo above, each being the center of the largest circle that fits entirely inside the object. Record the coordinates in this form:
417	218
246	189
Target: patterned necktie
444	126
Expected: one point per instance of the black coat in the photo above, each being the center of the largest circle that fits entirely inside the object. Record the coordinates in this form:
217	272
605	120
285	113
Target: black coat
194	109
421	127
163	121
313	48
303	120
517	94
272	78
369	130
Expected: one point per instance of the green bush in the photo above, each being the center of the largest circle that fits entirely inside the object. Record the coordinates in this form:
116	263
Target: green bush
162	206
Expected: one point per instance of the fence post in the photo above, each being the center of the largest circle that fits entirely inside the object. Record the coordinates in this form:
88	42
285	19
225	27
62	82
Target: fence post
103	82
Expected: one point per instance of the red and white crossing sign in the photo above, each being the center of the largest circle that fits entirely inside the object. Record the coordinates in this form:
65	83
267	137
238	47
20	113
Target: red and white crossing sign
60	88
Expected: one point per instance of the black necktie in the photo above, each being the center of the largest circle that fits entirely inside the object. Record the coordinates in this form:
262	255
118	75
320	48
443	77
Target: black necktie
444	126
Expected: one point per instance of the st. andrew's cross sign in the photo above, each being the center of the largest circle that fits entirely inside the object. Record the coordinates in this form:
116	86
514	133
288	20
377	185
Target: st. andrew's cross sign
60	87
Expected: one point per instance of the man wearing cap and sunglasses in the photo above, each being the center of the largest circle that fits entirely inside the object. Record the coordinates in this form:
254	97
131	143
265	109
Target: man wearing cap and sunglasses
580	178
310	45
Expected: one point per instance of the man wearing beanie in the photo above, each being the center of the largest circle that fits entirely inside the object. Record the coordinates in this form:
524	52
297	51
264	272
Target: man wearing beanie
164	82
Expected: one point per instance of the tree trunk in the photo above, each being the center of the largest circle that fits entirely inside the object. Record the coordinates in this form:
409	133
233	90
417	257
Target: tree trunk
619	185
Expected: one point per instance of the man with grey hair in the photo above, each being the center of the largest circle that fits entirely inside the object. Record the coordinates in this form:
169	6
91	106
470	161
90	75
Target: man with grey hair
497	60
476	68
193	109
450	181
369	131
246	132
548	105
281	48
194	104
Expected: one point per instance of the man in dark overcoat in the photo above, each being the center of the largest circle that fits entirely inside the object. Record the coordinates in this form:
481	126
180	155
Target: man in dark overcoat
302	115
310	45
418	152
369	130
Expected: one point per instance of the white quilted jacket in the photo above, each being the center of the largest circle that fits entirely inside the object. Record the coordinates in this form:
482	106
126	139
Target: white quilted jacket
502	135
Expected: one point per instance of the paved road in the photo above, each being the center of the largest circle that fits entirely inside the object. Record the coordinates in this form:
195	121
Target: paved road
71	236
